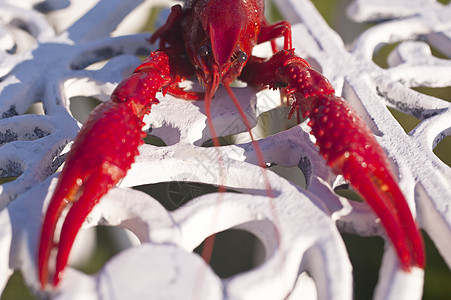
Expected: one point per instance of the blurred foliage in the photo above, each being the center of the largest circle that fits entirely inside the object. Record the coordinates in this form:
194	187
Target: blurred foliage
365	254
16	289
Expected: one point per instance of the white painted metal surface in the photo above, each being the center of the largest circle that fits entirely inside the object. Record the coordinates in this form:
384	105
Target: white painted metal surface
47	52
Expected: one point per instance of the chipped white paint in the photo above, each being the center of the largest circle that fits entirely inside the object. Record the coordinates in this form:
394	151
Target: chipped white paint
298	228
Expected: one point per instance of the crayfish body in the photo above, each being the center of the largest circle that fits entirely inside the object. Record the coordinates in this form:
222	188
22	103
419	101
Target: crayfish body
201	40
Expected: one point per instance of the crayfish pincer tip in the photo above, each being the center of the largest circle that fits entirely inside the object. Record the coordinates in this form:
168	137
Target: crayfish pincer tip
58	276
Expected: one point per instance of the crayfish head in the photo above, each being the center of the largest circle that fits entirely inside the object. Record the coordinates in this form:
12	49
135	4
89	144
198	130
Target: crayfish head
219	39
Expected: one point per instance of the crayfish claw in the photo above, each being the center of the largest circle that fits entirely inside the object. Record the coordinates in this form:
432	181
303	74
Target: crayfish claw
103	151
346	143
78	190
349	148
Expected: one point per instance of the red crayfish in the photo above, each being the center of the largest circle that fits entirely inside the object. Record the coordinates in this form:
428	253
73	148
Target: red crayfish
200	39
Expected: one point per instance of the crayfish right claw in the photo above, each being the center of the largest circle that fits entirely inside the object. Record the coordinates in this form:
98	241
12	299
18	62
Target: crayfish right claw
349	147
346	143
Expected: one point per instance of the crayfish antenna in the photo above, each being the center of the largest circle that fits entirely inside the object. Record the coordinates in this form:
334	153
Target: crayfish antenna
211	88
260	158
258	151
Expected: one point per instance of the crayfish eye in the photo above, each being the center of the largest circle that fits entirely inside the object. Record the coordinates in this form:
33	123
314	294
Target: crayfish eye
204	51
241	57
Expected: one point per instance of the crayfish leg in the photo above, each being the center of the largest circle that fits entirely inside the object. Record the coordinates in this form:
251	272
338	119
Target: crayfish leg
184	94
172	22
269	32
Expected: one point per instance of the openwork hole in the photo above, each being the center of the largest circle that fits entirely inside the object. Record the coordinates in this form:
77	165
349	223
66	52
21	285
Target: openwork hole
365	254
305	287
16	288
292	174
348	194
97	65
406	121
442	92
442	150
436	52
46	7
223	141
166	135
80	107
235	251
437	275
380	56
36	108
99	244
175	194
154	141
274	121
7	179
268	123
